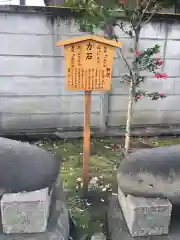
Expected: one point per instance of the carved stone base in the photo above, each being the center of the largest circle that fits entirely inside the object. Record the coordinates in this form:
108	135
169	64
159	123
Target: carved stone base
145	216
25	212
58	226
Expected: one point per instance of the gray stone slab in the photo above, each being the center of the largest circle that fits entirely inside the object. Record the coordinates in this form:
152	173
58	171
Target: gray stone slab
26	212
58	224
119	231
145	216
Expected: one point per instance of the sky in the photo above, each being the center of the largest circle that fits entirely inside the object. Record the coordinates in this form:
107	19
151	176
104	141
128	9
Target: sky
28	2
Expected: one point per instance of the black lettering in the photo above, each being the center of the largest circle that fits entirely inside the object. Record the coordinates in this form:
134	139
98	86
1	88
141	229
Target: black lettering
85	79
89	47
88	56
72	78
82	77
108	72
72	48
89	79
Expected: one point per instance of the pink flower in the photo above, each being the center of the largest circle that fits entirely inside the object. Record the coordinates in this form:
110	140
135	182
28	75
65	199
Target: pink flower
158	75
161	75
123	1
139	97
138	54
159	62
162	94
165	75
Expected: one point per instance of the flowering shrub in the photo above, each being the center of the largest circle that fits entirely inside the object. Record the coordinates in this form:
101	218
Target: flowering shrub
146	62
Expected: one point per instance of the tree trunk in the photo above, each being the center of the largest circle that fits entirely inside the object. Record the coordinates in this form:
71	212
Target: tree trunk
129	118
132	90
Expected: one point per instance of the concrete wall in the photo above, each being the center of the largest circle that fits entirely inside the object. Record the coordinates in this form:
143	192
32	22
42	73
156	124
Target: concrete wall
32	76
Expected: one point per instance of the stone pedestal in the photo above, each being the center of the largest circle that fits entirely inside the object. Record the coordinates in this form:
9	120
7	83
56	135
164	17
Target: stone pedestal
25	212
145	216
118	229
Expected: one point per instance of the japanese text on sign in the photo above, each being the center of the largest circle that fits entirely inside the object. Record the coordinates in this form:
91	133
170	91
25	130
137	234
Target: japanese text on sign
89	65
89	51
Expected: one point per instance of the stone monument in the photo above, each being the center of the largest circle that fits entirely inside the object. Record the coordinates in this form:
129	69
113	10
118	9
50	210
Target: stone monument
148	187
32	198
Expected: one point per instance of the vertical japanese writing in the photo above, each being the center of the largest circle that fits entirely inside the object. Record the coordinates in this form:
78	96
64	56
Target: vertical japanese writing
89	51
72	48
82	78
99	79
103	79
76	78
79	59
73	60
69	76
105	57
92	78
78	47
108	72
79	78
98	53
85	79
89	79
88	66
78	64
96	78
73	80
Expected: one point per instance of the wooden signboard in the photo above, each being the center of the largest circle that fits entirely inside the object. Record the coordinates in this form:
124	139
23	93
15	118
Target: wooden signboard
89	61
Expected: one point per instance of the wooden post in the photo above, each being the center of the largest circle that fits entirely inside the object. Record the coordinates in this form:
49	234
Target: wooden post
89	61
87	136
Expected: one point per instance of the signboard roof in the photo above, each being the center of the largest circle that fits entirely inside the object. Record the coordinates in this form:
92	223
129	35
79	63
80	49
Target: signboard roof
89	37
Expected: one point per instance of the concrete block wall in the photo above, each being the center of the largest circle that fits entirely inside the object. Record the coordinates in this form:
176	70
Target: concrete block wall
32	76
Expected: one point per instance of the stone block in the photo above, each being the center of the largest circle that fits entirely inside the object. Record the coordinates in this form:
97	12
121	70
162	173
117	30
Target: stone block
145	216
26	212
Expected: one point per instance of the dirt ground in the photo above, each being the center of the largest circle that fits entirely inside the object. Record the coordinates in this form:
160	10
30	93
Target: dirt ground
106	154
